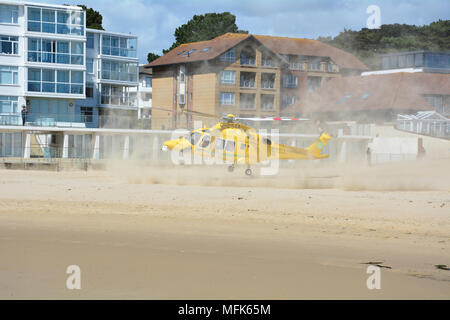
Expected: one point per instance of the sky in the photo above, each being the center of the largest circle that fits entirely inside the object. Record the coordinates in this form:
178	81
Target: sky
155	21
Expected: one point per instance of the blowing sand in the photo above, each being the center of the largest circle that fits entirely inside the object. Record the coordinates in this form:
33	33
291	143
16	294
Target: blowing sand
201	233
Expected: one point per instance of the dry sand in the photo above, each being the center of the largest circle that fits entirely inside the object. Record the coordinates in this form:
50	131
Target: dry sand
200	233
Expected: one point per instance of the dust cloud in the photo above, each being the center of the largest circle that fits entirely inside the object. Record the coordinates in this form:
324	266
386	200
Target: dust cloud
420	175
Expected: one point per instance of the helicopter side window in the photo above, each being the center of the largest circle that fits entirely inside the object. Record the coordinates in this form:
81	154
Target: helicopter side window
219	144
230	146
206	141
194	137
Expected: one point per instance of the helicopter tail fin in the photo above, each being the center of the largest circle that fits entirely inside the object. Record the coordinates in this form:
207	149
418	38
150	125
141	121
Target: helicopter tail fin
315	150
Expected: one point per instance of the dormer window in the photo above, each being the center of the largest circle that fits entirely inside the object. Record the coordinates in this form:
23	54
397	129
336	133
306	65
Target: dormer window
229	56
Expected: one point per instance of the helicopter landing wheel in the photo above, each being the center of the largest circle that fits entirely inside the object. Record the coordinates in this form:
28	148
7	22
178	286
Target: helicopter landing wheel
231	168
248	172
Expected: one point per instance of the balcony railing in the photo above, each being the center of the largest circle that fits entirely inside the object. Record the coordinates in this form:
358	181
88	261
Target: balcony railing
296	65
267	85
247	106
75	121
247	83
267	63
119	100
248	61
314	67
267	106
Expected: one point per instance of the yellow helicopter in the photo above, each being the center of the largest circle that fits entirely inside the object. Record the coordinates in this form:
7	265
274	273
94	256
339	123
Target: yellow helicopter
234	143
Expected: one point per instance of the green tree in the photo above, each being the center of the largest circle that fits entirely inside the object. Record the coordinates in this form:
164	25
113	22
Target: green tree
366	44
94	19
152	57
205	27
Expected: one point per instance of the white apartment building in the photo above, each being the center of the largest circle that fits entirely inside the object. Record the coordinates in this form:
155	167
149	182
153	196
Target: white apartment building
42	62
112	80
144	93
66	75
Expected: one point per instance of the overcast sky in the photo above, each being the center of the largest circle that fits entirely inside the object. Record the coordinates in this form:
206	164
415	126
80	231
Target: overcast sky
155	21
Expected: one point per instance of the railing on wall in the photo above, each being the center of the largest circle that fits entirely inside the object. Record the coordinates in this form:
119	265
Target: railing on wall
76	121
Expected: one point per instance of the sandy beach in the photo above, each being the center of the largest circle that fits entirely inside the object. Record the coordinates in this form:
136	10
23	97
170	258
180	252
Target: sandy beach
194	233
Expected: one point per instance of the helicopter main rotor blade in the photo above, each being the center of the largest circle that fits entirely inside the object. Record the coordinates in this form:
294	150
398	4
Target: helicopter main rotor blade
272	119
198	113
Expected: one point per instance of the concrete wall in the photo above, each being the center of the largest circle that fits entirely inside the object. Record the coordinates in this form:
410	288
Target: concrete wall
434	147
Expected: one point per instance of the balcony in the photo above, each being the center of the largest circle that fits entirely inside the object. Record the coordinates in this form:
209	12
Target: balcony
248	56
267	102
268	81
248	80
119	100
247	101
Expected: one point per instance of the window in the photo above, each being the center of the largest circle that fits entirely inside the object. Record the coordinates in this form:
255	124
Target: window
313	83
119	71
116	95
56	21
206	49
290	81
288	100
194	137
410	60
229	56
9	45
119	46
205	142
90	40
230	146
53	51
9	14
86	114
189	52
227	98
55	81
344	98
182	99
219	145
8	104
418	60
9	75
437	101
76	51
90	65
148	82
89	90
227	77
77	80
181	52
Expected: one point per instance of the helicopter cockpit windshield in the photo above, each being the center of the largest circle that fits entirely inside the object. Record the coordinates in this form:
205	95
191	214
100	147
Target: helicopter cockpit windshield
194	137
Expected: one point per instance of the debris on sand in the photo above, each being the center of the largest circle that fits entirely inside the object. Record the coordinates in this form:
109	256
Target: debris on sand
377	264
442	267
